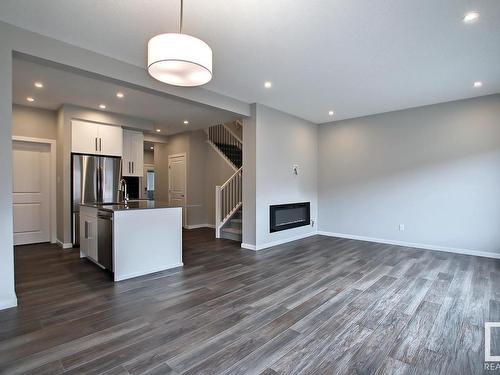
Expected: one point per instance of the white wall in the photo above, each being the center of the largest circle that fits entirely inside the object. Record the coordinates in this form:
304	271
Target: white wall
281	141
435	169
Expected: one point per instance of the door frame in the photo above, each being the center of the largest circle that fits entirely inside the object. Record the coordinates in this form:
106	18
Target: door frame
52	180
184	211
147	166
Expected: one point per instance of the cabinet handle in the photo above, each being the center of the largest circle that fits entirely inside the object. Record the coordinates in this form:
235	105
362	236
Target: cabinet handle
128	167
86	230
100	144
132	167
96	143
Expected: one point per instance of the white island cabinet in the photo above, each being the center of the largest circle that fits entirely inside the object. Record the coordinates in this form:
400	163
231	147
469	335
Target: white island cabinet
146	238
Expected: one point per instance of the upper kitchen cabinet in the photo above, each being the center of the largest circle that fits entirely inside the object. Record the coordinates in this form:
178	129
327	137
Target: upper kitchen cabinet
96	139
133	153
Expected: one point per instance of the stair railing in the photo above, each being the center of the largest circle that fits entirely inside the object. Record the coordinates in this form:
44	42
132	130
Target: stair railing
228	199
219	134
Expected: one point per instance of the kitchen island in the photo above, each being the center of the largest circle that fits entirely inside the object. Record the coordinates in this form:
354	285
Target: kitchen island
133	239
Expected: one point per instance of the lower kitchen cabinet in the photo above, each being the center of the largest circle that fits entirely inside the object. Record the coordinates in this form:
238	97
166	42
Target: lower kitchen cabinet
88	233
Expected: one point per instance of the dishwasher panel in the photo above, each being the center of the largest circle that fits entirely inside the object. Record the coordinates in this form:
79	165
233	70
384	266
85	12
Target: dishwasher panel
105	239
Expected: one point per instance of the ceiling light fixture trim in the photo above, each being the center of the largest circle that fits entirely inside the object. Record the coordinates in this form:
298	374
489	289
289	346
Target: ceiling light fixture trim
180	59
471	17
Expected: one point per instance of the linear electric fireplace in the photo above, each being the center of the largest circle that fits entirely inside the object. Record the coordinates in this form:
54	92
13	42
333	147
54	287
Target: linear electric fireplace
292	215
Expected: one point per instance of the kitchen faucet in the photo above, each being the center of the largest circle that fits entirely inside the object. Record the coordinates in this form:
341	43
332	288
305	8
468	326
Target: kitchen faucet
123	189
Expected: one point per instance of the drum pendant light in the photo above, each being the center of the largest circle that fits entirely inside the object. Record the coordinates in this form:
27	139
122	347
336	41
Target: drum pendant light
179	59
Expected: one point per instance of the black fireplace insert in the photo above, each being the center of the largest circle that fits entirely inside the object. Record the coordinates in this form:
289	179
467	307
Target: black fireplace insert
287	216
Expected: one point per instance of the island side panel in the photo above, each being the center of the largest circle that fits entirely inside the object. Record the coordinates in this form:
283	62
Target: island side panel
146	241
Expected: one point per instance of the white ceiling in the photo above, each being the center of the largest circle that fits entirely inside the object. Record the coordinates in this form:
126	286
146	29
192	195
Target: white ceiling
61	86
357	57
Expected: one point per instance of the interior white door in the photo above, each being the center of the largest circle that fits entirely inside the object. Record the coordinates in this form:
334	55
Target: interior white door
177	182
31	192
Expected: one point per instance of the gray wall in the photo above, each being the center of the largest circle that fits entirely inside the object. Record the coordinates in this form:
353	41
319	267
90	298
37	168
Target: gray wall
435	169
161	172
34	122
249	176
7	292
217	171
197	209
149	157
281	141
205	170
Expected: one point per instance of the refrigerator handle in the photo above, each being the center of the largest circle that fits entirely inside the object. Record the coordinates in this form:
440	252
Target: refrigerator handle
99	188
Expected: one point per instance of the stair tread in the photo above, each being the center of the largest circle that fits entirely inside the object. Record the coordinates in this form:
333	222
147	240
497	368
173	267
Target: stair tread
231	230
235	220
232	152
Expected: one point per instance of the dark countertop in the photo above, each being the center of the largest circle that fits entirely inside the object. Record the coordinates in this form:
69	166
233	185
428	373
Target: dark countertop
132	205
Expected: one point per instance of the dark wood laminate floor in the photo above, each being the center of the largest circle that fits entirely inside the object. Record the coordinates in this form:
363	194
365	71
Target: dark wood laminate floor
317	306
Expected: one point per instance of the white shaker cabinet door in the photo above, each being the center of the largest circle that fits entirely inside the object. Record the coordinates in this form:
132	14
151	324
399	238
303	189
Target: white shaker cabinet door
110	140
84	137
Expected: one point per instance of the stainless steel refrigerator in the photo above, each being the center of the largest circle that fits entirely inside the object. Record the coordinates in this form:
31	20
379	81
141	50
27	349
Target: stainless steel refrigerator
95	179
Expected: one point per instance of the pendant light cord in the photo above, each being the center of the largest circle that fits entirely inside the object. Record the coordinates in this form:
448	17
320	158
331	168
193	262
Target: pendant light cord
182	16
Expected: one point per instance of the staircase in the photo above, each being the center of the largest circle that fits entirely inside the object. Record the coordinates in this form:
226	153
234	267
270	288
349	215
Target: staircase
228	197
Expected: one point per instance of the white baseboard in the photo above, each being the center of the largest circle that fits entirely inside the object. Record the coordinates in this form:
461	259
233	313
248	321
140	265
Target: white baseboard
144	273
276	243
195	226
67	245
8	303
413	244
248	246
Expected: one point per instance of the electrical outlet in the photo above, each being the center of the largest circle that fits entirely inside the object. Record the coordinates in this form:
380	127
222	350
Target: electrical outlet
401	227
312	222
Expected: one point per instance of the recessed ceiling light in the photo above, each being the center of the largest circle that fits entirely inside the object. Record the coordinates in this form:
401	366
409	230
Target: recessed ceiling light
102	106
268	84
478	84
158	130
330	113
119	94
186	122
39	85
30	99
471	17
